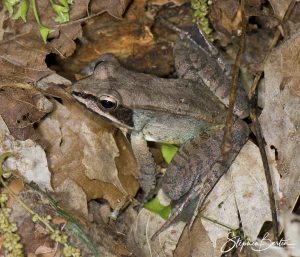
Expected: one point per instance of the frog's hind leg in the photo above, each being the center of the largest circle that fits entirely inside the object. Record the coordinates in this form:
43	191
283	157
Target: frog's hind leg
210	168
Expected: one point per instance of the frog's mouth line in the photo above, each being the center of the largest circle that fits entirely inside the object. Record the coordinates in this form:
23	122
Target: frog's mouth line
121	117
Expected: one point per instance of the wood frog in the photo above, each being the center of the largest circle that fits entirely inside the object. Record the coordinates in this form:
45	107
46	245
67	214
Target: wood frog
182	111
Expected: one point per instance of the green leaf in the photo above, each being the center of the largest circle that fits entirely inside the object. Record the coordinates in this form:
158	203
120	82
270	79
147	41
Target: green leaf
9	8
62	13
44	31
9	5
168	152
60	9
22	11
155	206
62	17
64	2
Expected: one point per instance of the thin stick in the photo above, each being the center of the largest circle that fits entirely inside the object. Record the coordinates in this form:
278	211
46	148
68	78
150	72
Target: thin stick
226	144
261	145
257	127
80	20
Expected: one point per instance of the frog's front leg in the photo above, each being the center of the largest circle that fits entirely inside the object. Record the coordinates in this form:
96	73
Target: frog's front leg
145	161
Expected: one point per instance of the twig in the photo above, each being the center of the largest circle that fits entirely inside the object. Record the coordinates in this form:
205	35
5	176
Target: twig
261	145
80	20
226	144
257	128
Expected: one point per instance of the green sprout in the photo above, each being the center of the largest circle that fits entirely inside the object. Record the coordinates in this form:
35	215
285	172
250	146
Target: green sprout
62	10
44	31
22	11
9	5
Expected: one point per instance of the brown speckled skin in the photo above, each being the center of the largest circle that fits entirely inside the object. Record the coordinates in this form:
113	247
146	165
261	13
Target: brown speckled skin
200	161
149	106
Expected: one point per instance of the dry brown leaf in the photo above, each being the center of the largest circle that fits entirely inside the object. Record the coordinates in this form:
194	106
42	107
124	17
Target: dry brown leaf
280	6
220	206
33	235
72	197
100	212
251	192
146	224
163	2
195	242
21	107
58	220
65	45
83	148
17	185
129	35
130	39
44	251
36	238
115	8
22	51
23	56
79	9
108	243
1	245
226	16
126	165
280	118
137	40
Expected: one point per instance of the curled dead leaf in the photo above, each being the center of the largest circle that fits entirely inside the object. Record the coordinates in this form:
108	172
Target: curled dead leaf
115	8
280	118
21	107
82	148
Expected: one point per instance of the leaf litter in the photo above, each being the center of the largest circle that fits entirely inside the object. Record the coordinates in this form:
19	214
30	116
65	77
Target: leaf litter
75	150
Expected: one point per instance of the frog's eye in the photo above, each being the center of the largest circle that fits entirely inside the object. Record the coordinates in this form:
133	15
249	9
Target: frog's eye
107	103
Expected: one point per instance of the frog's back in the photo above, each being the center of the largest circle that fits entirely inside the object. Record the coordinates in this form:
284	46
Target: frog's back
176	96
139	91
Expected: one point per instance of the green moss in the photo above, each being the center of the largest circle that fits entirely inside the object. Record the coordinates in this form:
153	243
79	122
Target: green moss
200	16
